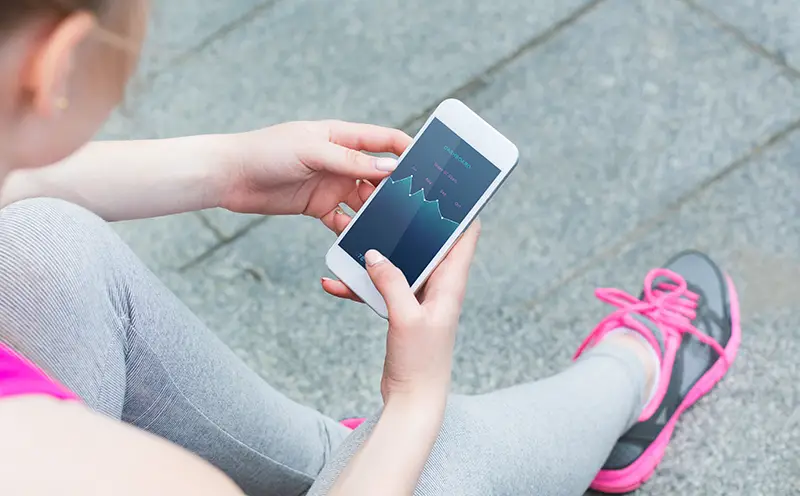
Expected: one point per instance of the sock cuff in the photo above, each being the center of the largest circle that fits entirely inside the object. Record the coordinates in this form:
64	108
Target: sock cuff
657	376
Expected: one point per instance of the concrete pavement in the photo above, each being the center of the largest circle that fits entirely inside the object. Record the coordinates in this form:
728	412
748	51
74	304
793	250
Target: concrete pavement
645	127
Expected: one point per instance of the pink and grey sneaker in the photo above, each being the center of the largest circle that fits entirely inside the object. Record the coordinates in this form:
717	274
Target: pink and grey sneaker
689	313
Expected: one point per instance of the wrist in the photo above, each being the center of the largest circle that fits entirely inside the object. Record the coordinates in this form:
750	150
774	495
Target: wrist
428	387
217	167
417	415
427	402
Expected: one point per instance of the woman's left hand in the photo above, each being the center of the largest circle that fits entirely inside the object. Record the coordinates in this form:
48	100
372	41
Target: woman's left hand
307	168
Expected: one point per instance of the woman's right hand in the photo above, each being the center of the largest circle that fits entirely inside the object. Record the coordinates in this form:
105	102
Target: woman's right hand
416	372
422	328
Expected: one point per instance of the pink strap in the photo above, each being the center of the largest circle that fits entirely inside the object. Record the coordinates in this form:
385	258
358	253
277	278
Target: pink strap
19	376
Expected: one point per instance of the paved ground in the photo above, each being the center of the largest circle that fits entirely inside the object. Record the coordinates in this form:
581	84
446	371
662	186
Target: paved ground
645	126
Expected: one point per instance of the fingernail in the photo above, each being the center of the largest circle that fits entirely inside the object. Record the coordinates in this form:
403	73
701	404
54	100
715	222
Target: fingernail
373	257
339	211
326	279
385	164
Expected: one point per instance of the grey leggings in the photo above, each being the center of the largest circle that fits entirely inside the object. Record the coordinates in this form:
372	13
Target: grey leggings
78	302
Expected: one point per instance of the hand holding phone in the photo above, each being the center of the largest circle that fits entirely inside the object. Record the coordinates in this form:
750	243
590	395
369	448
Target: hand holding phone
455	164
422	327
416	373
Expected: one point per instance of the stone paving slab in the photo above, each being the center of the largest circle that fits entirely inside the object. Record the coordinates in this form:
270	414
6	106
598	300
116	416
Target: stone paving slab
167	243
355	60
177	27
769	23
630	108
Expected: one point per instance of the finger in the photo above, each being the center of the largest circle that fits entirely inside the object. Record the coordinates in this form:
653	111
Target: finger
365	190
355	200
458	261
336	220
340	222
339	290
391	284
347	162
449	280
368	137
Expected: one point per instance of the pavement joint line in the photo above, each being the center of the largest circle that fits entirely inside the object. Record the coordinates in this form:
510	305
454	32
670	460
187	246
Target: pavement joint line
483	79
218	246
742	37
651	224
210	226
218	33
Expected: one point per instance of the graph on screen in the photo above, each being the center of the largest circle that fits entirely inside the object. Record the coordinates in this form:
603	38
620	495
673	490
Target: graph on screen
418	198
411	207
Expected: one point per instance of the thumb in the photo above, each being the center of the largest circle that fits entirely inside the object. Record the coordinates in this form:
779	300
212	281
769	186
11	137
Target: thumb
390	283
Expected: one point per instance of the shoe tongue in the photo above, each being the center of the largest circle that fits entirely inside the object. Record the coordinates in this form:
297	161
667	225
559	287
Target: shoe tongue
653	328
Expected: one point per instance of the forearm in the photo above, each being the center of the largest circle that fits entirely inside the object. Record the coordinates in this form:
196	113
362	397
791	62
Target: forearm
393	457
61	447
130	179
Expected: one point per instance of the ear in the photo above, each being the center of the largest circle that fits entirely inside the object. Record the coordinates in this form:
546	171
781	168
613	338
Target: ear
52	63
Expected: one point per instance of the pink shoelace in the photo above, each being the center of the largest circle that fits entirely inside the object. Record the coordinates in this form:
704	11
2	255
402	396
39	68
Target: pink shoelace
669	304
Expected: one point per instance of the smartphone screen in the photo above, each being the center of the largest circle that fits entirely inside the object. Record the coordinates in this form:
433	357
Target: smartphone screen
423	202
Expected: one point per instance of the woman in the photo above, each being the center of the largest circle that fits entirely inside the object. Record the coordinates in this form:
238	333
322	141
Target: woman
109	385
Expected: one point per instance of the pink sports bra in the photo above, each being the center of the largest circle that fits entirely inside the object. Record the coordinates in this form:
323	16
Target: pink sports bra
19	376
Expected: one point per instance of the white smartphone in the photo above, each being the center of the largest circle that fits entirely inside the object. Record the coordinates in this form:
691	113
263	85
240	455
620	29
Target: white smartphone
451	170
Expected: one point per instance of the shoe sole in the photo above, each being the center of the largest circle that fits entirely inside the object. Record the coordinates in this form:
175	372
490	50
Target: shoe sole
632	477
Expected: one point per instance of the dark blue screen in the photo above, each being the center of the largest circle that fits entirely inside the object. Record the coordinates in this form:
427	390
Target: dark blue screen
422	203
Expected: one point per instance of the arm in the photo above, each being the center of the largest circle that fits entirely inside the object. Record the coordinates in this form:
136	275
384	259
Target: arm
416	372
61	447
122	180
294	168
391	460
